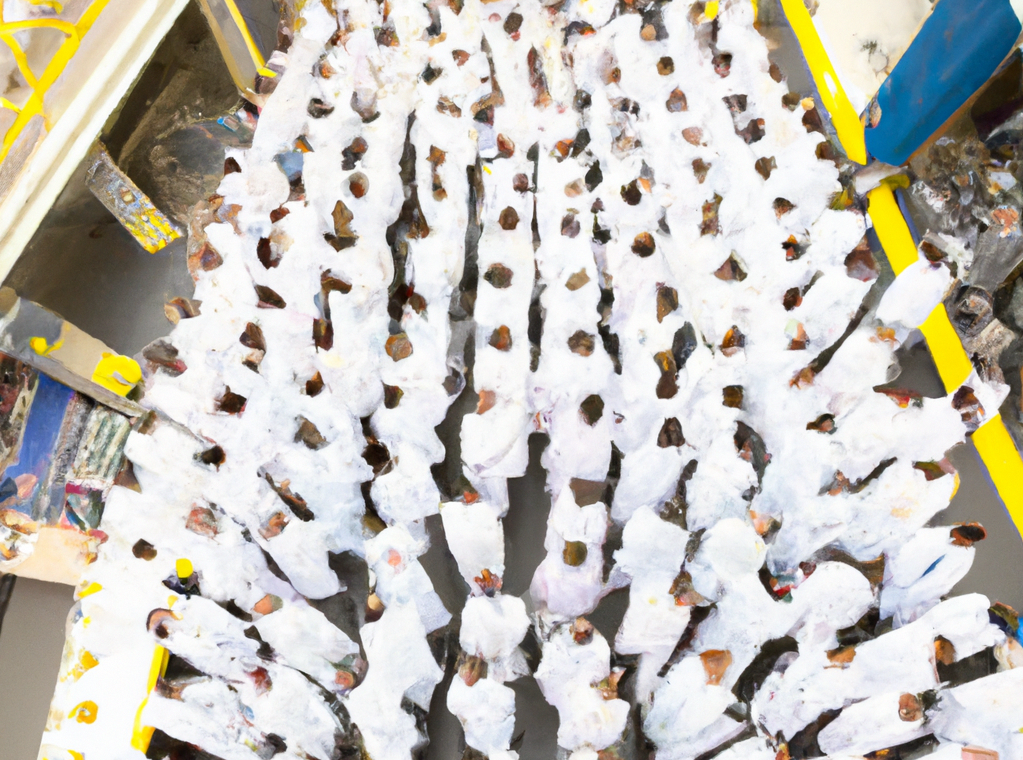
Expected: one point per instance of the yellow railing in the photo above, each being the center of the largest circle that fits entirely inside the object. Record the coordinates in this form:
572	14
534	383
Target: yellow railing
40	85
844	118
994	444
240	52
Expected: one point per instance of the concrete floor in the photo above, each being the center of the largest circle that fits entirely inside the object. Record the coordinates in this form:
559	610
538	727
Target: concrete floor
30	650
86	267
83	265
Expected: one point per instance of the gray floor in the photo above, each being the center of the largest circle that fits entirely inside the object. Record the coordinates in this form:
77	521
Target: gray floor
86	267
30	649
33	629
83	265
998	565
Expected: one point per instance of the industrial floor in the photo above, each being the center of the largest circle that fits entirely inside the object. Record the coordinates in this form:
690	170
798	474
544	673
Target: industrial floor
83	265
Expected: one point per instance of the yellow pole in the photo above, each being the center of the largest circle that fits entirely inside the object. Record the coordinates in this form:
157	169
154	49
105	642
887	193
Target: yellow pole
994	444
843	116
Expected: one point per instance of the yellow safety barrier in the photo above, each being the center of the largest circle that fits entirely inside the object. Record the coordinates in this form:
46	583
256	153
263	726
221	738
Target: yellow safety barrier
950	358
891	228
994	444
1004	467
56	66
843	116
237	47
250	44
141	734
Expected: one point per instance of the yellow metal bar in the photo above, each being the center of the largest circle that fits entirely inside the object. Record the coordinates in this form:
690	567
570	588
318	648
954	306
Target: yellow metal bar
39	23
238	49
89	17
20	58
995	445
996	449
142	735
843	116
891	228
953	364
54	68
239	20
993	442
950	358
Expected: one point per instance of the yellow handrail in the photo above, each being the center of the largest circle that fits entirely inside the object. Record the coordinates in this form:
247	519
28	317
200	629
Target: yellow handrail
142	734
34	106
250	44
40	23
994	444
241	54
843	116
